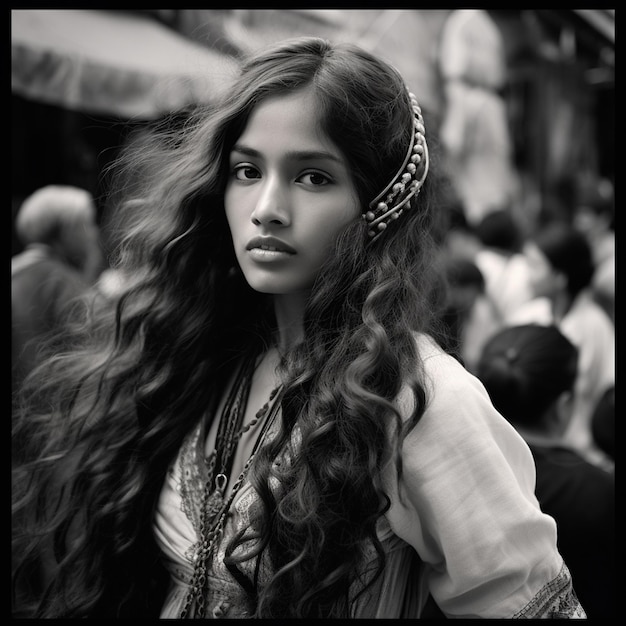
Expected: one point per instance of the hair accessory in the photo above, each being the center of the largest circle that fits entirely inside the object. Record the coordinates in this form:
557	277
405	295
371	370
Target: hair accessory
404	184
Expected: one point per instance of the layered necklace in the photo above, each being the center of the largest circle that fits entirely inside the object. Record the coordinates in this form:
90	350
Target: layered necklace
215	505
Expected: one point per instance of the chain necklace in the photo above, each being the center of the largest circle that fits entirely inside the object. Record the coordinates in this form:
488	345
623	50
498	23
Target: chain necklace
214	507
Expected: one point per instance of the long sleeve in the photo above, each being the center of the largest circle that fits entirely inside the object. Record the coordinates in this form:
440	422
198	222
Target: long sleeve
466	503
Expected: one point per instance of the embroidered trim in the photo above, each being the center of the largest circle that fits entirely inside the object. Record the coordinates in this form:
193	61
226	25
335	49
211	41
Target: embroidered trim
555	600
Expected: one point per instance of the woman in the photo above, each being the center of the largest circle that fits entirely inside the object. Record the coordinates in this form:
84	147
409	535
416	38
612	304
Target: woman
268	417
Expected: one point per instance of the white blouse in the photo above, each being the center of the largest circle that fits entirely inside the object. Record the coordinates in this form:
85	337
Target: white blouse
464	523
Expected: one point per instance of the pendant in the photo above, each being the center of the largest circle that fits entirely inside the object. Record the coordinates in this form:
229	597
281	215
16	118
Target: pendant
215	501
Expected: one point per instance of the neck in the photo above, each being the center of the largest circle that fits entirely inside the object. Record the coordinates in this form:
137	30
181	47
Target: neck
289	310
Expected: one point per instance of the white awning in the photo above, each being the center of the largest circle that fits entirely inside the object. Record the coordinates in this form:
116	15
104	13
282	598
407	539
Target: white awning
114	62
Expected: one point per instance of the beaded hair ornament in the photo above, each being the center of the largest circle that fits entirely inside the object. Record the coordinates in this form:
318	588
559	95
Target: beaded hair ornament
394	198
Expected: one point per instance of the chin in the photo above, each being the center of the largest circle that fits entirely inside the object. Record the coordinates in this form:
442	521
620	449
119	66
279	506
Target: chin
275	287
271	282
273	290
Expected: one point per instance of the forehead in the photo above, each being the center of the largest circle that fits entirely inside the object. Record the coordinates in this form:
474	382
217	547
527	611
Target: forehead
297	114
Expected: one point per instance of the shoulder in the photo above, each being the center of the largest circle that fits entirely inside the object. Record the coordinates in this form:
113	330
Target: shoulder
440	367
40	262
31	257
450	387
459	414
586	315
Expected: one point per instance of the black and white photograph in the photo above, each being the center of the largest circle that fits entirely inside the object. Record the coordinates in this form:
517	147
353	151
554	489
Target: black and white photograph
312	313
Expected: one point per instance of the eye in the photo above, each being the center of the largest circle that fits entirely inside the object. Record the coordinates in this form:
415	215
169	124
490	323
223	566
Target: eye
245	171
315	179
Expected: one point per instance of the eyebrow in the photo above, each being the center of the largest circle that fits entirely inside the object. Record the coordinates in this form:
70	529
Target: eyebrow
297	155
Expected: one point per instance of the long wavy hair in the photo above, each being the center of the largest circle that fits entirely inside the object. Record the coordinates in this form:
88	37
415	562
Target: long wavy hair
104	418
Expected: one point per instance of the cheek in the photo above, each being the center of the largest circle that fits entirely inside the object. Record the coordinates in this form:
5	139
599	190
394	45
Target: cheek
234	216
324	231
332	221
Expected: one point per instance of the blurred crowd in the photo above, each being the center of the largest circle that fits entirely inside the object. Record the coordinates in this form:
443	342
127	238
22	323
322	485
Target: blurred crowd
531	313
560	273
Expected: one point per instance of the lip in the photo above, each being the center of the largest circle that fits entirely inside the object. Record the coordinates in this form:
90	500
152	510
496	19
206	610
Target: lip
270	244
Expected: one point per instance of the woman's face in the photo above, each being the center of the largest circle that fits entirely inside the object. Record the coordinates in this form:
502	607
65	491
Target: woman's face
288	195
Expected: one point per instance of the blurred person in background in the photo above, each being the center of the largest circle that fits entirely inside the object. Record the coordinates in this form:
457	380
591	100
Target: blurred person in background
561	270
501	262
529	372
51	280
60	262
469	316
595	218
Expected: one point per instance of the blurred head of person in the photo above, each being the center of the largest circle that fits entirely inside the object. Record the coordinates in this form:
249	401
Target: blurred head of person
465	282
560	260
63	218
499	230
529	372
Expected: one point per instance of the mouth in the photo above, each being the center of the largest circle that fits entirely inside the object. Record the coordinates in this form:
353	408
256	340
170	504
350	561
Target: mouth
269	245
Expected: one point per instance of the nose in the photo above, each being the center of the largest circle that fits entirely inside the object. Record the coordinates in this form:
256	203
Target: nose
272	206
